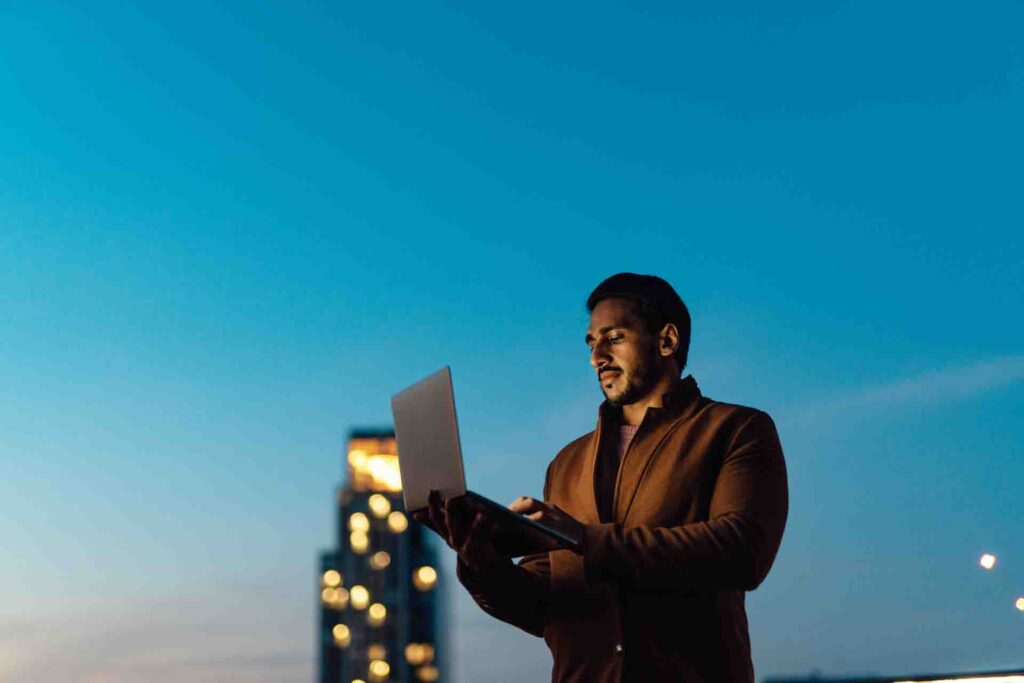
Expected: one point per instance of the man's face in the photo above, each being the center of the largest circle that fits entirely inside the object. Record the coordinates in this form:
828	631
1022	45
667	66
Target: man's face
622	351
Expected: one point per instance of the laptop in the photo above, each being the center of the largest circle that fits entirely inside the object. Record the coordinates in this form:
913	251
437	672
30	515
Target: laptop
430	457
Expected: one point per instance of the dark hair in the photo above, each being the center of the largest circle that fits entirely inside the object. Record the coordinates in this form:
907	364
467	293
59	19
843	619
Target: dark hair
657	304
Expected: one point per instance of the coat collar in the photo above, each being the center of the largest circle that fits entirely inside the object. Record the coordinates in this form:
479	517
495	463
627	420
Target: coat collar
680	396
678	403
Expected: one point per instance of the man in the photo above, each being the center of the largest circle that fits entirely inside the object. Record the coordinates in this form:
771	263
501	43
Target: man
678	502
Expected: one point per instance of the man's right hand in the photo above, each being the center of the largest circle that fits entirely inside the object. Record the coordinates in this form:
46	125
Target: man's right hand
468	534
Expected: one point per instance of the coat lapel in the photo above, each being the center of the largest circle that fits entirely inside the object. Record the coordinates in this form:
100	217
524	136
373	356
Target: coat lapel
589	503
678	405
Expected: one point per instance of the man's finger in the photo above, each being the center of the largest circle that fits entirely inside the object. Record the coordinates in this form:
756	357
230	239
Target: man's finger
423	517
465	548
477	550
525	505
437	516
458	524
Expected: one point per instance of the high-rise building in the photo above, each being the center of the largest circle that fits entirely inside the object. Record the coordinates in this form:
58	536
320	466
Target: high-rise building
380	597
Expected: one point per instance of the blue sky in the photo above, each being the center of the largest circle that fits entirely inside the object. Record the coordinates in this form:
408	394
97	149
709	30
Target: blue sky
228	234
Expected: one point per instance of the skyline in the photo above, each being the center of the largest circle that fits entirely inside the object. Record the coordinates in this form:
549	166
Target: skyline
228	234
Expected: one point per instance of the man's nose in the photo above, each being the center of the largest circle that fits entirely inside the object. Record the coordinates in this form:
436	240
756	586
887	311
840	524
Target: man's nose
599	356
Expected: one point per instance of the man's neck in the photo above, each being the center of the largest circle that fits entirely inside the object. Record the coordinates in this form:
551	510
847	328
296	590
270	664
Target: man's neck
633	414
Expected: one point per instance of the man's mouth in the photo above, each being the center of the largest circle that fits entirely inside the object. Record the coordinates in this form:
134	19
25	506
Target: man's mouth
608	375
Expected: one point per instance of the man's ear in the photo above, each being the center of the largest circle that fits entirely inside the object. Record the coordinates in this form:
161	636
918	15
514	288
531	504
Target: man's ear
668	340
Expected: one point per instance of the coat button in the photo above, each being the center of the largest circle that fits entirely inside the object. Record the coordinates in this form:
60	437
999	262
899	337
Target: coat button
618	648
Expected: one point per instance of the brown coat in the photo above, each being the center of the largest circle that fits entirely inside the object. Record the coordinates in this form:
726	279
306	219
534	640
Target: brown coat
657	595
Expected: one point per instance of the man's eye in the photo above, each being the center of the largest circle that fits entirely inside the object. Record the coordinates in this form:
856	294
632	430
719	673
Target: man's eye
616	339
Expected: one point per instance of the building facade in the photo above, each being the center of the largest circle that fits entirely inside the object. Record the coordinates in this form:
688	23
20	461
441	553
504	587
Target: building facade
380	597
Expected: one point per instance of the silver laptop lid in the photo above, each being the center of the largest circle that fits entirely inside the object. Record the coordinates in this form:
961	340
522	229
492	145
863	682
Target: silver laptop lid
427	431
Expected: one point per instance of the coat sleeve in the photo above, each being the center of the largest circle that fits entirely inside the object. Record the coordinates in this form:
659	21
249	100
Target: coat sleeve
733	549
516	593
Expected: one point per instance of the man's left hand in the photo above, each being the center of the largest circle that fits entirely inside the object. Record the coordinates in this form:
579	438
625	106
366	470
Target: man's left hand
550	515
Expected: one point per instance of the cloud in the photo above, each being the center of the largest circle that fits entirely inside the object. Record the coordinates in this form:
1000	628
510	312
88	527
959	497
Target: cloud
933	388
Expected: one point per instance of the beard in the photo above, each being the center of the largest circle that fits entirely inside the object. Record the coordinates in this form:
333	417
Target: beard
639	384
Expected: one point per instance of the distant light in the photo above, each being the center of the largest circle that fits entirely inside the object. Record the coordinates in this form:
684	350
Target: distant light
336	598
380	560
359	522
376	651
424	578
428	652
379	669
374	471
384	472
360	597
373	464
358	680
359	541
340	598
380	506
414	654
987	561
357	458
1019	604
973	679
332	578
397	522
428	673
342	635
376	614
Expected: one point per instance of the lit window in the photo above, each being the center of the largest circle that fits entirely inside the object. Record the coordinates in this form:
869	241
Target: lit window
359	522
397	522
419	653
357	458
428	673
342	636
335	598
376	614
360	597
424	578
332	578
414	653
373	465
380	506
359	541
380	560
379	669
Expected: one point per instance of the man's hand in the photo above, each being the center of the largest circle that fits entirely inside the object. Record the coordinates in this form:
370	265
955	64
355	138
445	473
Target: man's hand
467	534
552	516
